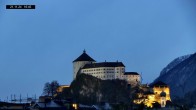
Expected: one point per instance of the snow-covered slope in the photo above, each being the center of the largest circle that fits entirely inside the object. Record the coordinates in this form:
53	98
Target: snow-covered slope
174	63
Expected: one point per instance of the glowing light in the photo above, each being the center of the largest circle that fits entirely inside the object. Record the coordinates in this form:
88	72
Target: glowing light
149	99
75	106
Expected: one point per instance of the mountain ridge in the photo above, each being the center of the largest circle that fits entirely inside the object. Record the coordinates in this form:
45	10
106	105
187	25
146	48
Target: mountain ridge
173	63
181	76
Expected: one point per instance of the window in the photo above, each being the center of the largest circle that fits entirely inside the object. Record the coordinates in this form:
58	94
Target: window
163	103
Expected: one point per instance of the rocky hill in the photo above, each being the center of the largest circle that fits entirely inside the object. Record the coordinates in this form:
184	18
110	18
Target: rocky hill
180	75
89	90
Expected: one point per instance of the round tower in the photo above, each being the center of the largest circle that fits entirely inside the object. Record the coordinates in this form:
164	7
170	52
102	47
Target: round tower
79	63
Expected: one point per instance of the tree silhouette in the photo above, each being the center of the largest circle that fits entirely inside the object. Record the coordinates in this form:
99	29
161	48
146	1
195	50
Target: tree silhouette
50	88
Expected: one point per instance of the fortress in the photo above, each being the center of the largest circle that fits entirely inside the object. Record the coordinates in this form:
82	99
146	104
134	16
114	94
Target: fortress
104	70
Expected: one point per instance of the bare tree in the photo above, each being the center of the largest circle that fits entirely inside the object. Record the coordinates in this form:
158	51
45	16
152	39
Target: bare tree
50	88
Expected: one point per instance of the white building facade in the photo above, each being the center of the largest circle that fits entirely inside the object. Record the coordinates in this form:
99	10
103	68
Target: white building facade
104	70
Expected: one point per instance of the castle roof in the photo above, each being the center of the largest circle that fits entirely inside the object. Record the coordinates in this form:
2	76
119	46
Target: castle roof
159	84
84	57
131	73
148	93
104	64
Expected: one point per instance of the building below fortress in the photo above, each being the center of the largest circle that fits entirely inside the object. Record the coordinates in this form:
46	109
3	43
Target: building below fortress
158	92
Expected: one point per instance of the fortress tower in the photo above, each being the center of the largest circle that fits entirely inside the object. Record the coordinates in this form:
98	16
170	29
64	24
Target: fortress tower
79	63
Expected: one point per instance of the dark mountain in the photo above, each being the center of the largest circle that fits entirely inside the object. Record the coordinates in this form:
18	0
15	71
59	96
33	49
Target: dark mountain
180	75
189	99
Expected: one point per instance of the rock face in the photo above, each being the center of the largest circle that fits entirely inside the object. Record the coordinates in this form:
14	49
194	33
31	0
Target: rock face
180	75
89	90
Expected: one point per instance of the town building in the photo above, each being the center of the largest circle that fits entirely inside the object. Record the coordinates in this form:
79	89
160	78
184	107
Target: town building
47	103
103	70
158	92
61	88
14	106
162	93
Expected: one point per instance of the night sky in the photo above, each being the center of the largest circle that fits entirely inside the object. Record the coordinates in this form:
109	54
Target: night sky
37	46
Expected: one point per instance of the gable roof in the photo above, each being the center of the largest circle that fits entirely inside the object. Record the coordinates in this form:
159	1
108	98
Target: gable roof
49	104
131	73
104	64
84	57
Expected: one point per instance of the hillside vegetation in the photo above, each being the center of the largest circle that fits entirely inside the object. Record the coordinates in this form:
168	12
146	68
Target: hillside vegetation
87	89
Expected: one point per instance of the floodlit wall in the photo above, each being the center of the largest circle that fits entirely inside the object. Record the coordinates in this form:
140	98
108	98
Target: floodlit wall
78	65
